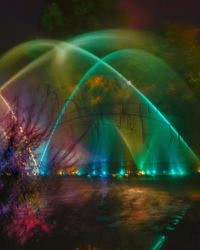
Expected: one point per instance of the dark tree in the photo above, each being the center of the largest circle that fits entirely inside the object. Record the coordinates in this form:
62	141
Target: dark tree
65	18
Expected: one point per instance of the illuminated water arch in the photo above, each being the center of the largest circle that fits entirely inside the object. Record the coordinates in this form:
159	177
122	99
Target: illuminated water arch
27	72
26	55
140	96
178	159
146	79
44	56
23	61
176	165
103	42
22	58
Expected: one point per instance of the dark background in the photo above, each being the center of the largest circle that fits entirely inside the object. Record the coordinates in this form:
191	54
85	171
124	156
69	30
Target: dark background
22	20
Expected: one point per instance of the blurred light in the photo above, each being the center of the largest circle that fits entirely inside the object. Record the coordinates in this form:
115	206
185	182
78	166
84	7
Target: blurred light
94	172
141	173
64	173
154	172
173	172
181	172
60	172
79	173
122	172
42	172
104	173
148	172
159	243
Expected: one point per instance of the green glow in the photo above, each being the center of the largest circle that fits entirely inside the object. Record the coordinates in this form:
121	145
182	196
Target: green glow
122	172
148	172
170	228
152	145
159	244
107	68
79	173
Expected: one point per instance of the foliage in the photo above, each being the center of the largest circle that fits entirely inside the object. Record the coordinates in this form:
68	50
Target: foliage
52	19
75	16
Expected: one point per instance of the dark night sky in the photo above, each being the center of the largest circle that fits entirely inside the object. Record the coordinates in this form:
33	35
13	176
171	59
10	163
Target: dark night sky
19	19
147	13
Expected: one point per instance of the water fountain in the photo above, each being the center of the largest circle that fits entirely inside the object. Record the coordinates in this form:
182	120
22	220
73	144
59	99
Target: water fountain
103	106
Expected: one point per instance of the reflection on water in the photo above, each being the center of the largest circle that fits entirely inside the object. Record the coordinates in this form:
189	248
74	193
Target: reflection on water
78	213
